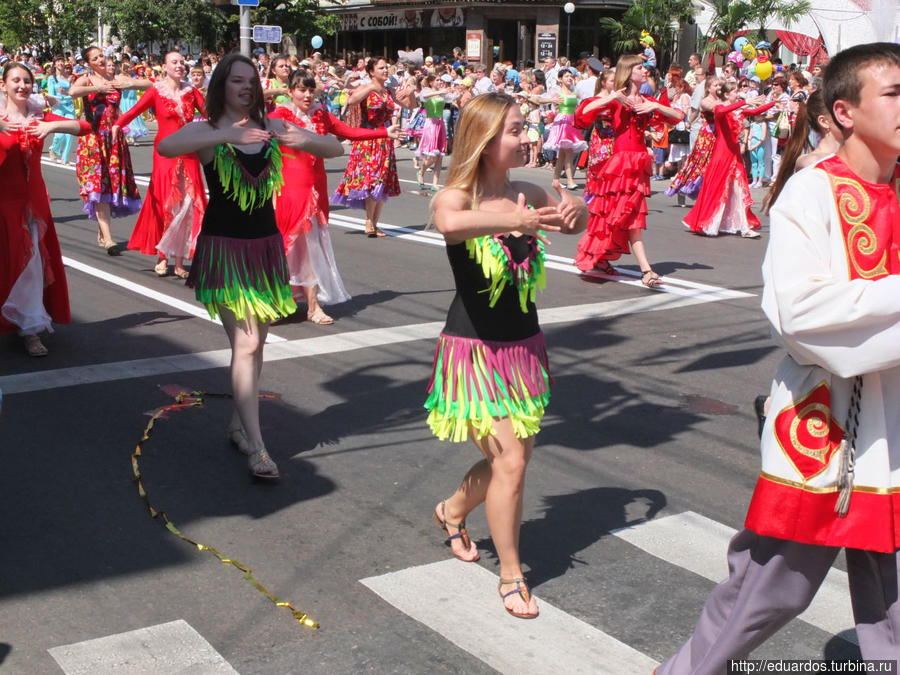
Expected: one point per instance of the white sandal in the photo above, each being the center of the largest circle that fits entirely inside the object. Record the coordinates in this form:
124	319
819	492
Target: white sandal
262	466
34	346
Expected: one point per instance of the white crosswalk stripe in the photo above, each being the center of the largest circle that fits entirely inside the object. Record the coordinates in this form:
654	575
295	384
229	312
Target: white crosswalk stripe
699	544
168	648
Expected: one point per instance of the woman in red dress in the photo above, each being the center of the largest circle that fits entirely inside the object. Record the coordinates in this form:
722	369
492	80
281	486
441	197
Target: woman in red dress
173	207
103	167
301	210
371	174
593	112
619	207
689	178
723	204
33	290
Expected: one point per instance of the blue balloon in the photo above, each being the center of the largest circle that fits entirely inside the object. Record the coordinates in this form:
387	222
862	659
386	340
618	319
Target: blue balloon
316	41
739	43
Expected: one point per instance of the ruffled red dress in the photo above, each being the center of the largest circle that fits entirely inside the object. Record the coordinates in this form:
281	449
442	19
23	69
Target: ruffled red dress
301	210
600	148
25	221
620	201
173	208
723	204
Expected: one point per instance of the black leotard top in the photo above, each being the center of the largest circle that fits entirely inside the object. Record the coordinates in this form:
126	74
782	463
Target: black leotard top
470	313
224	216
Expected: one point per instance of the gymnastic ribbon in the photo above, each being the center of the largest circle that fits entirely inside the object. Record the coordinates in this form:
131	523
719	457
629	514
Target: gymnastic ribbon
194	399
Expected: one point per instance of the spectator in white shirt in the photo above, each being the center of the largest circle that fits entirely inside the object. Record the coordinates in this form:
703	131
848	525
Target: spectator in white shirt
584	88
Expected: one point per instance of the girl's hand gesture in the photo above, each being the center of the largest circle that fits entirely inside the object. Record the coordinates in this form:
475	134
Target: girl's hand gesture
104	87
240	134
570	209
395	132
533	221
645	107
619	95
292	136
42	129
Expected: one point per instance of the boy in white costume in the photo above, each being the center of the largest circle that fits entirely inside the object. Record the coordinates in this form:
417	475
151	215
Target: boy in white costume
832	294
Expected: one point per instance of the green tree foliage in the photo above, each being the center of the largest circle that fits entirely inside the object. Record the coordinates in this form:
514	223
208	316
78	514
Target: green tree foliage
164	21
62	23
732	17
654	16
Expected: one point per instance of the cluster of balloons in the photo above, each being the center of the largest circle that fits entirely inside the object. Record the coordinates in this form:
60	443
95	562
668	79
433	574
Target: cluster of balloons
744	50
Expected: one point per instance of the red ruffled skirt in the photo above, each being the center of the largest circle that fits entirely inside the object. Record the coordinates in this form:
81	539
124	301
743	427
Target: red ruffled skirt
17	249
175	199
619	205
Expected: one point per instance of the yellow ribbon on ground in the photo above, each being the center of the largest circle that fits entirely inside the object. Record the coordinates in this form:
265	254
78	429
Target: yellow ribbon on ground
189	400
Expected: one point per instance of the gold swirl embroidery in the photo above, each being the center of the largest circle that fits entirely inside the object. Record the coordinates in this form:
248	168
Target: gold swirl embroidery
815	425
854	207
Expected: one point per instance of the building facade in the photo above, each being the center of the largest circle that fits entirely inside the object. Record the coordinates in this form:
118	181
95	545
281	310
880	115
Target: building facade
488	31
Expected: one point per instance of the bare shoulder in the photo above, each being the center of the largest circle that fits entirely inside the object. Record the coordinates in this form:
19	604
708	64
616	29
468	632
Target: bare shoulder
535	195
452	199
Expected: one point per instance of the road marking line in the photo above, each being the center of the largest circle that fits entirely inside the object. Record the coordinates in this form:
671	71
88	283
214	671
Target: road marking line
166	649
699	544
328	344
672	285
459	601
187	307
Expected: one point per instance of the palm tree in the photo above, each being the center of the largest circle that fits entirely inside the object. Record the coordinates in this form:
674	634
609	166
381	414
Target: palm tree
732	17
657	17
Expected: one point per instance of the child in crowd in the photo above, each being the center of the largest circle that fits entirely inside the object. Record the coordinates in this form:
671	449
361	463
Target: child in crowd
756	137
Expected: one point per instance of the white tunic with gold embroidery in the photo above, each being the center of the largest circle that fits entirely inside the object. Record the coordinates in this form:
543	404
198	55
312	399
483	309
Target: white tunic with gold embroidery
832	294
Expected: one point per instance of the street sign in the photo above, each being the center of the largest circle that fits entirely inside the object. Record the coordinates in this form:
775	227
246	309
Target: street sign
267	33
248	3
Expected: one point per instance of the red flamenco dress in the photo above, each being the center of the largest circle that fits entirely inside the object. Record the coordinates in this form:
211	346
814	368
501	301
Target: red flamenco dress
103	168
173	208
619	203
372	168
33	291
600	148
723	204
301	210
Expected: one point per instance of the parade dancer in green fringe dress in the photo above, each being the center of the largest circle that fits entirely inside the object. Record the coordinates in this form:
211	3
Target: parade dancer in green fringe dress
491	380
239	271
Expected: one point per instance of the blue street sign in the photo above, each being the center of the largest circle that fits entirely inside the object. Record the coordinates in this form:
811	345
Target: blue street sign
267	33
248	3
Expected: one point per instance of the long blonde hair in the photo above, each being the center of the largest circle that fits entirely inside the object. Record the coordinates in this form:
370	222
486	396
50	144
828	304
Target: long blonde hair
624	66
480	121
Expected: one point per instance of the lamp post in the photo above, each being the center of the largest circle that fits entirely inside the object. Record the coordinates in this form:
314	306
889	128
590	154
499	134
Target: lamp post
568	8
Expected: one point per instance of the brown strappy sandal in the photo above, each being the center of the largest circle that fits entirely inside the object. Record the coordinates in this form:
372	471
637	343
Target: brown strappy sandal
522	591
461	533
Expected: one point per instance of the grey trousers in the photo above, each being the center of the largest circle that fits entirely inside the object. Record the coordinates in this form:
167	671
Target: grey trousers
770	582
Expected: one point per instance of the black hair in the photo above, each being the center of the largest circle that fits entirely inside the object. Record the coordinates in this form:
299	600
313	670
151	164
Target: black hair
215	95
842	81
302	78
370	64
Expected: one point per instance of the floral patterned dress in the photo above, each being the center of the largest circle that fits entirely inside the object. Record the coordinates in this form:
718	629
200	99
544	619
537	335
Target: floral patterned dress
372	168
103	168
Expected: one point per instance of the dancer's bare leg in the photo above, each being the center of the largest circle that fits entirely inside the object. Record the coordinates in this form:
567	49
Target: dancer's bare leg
438	162
567	158
179	265
498	481
104	237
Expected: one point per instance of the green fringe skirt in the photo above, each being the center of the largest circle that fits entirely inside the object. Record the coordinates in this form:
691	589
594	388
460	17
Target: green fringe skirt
248	276
474	382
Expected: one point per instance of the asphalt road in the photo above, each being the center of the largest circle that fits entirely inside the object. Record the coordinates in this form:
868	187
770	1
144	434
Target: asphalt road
650	424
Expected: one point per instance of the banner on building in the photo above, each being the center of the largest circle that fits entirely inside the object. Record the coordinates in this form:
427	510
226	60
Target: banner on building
386	20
